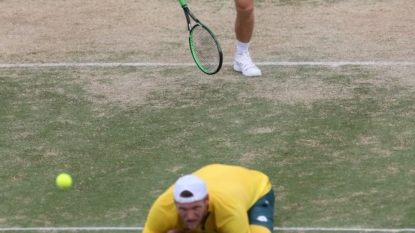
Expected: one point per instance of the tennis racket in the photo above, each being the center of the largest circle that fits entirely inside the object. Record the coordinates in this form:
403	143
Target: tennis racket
204	46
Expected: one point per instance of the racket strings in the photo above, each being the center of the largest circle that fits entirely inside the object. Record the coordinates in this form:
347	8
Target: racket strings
204	49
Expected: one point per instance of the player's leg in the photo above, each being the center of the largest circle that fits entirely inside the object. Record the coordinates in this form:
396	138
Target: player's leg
244	26
258	229
261	214
244	23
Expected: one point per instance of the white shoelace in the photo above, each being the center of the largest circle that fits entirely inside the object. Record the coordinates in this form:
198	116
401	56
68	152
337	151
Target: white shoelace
245	60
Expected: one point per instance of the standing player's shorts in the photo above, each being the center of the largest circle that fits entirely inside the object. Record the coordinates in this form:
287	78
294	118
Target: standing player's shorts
262	212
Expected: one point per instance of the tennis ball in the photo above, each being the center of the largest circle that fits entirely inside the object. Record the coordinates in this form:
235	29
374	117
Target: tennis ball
64	181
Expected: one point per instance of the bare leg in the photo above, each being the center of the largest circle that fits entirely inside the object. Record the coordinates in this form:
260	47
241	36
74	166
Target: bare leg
244	23
244	26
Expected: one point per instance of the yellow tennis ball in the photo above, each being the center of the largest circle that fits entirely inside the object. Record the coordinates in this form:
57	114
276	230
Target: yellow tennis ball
64	181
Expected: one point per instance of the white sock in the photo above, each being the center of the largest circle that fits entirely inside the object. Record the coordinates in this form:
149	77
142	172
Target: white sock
241	47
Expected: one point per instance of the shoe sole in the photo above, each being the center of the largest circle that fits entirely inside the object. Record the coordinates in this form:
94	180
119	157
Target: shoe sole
238	69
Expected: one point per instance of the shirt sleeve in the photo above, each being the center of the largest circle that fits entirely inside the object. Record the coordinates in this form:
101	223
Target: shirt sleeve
234	220
162	216
154	224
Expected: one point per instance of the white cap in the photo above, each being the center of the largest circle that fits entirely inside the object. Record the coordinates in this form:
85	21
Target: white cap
192	184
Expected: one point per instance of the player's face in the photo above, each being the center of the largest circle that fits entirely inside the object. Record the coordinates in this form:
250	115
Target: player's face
193	213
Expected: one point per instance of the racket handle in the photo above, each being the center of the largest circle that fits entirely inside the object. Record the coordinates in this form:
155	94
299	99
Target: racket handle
182	3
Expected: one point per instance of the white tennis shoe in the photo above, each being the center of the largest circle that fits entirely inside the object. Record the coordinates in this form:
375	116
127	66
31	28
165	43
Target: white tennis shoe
243	63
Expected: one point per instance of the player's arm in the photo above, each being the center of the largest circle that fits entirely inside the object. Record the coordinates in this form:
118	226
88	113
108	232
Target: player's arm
158	220
162	216
233	221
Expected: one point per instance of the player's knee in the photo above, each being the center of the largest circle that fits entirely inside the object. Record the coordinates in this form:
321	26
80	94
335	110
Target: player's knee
246	11
245	8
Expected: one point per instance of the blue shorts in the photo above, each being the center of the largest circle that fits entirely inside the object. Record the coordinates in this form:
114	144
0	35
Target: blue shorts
262	212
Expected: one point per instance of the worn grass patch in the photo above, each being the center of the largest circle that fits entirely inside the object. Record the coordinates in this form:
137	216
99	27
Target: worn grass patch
285	30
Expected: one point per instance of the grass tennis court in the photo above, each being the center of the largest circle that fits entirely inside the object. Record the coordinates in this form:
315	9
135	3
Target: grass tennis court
337	142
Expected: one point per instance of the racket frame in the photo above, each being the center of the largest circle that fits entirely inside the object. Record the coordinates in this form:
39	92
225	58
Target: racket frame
189	15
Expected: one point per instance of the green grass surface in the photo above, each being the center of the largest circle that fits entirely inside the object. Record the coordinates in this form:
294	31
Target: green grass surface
337	143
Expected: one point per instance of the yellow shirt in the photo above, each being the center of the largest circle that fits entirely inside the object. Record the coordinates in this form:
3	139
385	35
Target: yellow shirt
232	191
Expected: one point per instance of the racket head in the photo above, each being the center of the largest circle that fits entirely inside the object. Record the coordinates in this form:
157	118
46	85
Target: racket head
205	49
